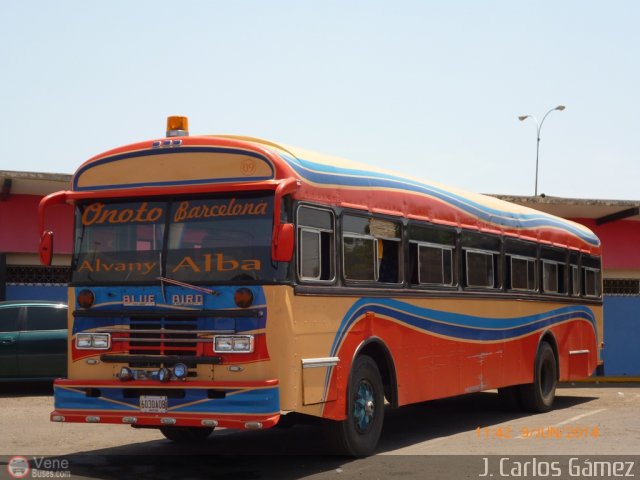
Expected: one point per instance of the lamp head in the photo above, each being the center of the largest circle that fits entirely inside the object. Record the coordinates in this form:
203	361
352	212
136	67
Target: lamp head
523	117
560	107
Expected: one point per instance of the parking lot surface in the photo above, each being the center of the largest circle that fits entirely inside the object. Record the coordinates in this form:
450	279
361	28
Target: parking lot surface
587	420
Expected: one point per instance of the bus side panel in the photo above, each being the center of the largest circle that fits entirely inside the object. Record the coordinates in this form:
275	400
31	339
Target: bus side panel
499	351
440	347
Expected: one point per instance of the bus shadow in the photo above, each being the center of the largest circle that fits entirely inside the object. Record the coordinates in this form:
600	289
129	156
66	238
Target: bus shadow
426	421
296	451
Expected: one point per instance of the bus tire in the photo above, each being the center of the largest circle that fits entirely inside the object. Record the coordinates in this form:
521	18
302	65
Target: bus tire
358	435
186	434
538	397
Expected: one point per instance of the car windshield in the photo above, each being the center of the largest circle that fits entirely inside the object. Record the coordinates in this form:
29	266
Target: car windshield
200	240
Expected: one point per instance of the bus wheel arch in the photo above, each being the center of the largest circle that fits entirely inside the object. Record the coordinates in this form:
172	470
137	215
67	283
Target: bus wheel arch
371	379
358	434
376	349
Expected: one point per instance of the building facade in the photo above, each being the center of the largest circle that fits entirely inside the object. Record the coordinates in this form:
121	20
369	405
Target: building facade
21	275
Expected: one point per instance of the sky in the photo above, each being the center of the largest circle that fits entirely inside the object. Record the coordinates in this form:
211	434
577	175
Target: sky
432	89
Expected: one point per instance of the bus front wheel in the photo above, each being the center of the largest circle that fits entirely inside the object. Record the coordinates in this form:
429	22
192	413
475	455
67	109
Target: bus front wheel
358	435
186	434
538	397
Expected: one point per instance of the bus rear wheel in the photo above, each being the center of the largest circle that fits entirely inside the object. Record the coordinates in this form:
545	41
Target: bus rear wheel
538	397
358	435
186	434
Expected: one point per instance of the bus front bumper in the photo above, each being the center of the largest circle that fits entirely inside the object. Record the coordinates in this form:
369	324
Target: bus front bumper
238	405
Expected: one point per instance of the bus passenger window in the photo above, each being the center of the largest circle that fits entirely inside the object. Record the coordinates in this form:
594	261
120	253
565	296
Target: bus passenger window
591	282
549	277
435	265
523	273
315	244
575	281
387	235
360	258
310	254
371	249
480	269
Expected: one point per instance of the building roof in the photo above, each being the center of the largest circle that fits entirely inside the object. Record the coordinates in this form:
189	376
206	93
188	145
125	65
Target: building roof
602	211
32	183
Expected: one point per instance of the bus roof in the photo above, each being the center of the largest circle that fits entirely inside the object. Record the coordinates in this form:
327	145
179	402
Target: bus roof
188	161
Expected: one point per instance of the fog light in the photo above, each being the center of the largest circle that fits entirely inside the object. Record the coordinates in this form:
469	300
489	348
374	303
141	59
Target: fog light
125	374
253	425
180	370
164	375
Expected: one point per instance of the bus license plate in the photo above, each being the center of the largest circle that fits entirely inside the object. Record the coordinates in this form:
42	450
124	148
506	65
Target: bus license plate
153	404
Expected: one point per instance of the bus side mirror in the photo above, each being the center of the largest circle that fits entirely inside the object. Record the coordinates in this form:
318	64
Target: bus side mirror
46	247
282	250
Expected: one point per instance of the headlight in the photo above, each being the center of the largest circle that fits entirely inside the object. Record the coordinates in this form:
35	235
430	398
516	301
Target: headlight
101	341
233	343
95	341
83	340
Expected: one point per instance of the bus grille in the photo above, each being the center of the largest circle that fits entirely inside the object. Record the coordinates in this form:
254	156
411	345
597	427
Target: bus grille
163	336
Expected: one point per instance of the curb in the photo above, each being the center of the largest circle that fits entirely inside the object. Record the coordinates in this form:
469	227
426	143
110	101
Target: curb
605	380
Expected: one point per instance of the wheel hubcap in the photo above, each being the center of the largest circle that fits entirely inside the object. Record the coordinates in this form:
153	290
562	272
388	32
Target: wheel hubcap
364	407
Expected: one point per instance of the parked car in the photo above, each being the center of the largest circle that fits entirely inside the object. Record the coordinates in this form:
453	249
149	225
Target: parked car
33	340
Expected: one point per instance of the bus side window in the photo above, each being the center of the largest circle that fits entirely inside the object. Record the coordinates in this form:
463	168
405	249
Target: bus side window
432	255
554	269
591	282
522	273
371	249
434	264
360	258
387	234
549	277
480	269
315	244
575	281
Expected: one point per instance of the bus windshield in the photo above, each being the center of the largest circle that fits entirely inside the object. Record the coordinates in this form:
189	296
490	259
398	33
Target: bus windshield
199	240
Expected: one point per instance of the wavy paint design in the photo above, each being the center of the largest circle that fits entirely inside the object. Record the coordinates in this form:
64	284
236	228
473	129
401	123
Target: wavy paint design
456	326
335	176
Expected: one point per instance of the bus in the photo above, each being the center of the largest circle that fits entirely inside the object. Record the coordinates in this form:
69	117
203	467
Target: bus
229	281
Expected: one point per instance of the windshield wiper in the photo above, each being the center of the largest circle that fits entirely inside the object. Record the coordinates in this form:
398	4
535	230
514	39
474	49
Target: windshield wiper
187	285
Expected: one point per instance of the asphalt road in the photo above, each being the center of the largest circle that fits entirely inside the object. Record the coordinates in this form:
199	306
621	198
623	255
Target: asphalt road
416	442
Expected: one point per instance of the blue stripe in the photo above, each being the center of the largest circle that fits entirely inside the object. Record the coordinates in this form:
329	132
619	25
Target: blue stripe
332	175
456	325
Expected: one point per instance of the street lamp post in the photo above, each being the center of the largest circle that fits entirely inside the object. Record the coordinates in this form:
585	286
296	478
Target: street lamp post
522	118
